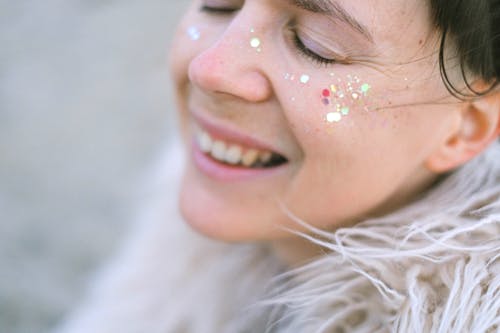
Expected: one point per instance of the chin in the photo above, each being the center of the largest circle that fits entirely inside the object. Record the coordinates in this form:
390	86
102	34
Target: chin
226	214
208	213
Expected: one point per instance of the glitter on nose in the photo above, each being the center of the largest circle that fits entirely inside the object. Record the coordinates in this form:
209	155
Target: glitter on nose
255	42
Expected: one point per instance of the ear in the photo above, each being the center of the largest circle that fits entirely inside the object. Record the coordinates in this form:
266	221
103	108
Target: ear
480	126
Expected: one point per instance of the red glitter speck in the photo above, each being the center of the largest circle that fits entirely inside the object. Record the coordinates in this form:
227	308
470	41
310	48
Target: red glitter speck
326	93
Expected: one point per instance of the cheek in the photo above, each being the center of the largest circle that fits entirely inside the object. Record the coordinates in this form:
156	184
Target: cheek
319	108
192	37
183	49
354	166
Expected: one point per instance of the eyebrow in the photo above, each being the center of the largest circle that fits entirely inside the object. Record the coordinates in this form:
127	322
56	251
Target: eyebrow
333	8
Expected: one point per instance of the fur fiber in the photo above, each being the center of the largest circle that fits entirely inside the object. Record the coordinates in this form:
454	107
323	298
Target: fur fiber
431	267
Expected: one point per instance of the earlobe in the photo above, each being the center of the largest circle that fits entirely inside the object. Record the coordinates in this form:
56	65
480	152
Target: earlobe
480	126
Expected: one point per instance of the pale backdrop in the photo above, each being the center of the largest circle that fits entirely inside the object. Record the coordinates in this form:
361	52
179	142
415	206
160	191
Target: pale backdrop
84	109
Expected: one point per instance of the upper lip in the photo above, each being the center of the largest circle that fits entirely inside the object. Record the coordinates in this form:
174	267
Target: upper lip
227	132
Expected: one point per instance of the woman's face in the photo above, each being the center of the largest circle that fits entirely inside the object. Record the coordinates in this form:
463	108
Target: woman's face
329	108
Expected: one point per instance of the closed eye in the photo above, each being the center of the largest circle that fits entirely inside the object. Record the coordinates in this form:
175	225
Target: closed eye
217	10
308	53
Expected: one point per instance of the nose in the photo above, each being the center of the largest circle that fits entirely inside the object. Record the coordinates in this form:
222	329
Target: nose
231	66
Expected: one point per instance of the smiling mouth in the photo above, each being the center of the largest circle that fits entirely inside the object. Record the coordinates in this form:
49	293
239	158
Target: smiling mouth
237	155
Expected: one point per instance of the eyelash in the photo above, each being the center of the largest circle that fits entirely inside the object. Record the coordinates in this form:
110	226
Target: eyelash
217	10
297	42
308	53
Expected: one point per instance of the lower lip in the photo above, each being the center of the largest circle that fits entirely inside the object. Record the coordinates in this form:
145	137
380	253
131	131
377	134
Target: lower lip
227	173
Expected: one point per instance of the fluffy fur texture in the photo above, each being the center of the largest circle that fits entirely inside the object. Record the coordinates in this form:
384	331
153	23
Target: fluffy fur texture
433	266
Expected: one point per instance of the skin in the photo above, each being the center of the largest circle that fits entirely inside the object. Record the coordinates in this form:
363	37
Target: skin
378	158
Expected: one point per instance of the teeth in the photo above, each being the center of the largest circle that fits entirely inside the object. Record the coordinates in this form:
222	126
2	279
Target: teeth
206	142
219	150
231	153
250	157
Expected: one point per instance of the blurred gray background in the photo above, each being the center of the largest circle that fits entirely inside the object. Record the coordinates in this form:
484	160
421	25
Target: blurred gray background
85	107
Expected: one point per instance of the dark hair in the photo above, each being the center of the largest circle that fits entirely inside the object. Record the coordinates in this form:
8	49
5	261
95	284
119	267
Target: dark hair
474	28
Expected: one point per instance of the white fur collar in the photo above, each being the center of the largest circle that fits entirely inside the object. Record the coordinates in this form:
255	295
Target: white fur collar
432	267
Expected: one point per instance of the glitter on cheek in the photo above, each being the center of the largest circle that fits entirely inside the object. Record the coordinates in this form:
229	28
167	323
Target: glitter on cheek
343	97
305	79
194	33
333	117
365	88
289	77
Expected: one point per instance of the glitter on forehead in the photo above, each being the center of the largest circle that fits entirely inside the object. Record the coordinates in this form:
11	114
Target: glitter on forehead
194	33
